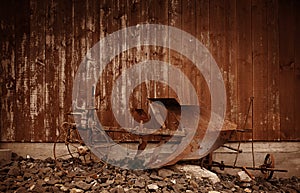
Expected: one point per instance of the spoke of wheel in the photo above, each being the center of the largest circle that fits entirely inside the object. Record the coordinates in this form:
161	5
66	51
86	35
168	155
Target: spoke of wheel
63	155
72	144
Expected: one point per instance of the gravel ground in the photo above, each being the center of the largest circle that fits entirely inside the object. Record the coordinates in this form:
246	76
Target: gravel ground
34	175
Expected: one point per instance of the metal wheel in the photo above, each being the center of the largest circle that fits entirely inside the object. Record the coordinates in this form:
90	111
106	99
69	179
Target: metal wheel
269	164
69	137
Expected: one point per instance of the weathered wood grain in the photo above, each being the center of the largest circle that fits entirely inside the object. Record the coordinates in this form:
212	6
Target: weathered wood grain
273	124
260	69
7	70
230	62
296	135
202	34
286	66
37	70
244	60
22	67
43	43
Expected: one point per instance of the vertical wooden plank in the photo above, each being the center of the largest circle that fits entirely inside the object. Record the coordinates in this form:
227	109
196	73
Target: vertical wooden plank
22	15
132	57
37	70
217	39
273	71
7	71
189	25
202	33
296	135
92	37
244	60
115	65
123	64
52	72
69	42
101	95
107	74
286	65
230	62
61	65
260	69
175	20
80	45
144	54
158	14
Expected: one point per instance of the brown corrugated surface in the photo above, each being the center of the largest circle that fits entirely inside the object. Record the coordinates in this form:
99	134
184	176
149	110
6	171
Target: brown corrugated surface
254	42
273	71
287	66
230	62
23	127
37	69
202	34
8	73
260	68
297	70
244	63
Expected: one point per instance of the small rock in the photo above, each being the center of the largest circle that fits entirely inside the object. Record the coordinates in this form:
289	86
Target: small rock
161	184
268	185
213	191
83	185
227	185
52	189
155	177
64	188
27	176
14	171
199	172
194	184
181	180
32	187
109	182
188	176
178	188
59	173
52	182
117	189
40	182
75	190
247	190
165	173
21	190
38	188
245	185
139	183
49	160
244	177
254	187
88	180
46	170
152	187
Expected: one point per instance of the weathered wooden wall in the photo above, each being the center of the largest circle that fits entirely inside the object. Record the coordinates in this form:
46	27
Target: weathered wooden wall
255	43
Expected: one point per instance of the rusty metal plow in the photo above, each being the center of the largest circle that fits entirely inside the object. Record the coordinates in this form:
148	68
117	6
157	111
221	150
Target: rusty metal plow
268	166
